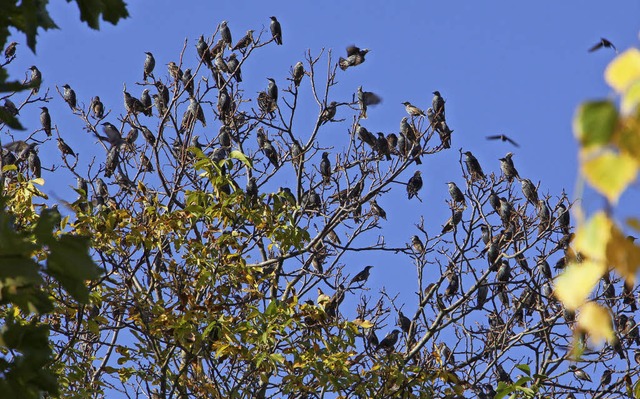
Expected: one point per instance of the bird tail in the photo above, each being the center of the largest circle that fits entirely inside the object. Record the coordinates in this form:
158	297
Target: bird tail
344	64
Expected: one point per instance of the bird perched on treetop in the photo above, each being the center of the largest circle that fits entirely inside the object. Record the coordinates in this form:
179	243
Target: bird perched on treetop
225	34
473	167
325	168
530	192
245	42
45	120
69	96
362	276
389	341
272	89
414	184
203	51
234	67
149	64
10	50
417	244
438	105
276	30
114	137
456	193
36	79
328	113
404	322
508	169
412	109
366	98
64	148
355	56
382	146
298	73
603	43
97	108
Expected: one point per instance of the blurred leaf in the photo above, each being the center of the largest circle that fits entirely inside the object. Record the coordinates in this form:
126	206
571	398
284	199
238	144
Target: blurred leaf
6	87
363	323
524	367
596	322
634	223
623	255
594	122
576	283
631	98
9	120
241	157
610	173
592	237
48	221
111	10
624	70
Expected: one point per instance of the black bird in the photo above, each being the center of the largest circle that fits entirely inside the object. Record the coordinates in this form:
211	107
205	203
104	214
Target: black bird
382	146
64	148
389	342
45	120
325	168
404	322
224	136
473	167
234	67
145	100
187	81
36	79
438	105
456	193
276	30
163	92
530	192
377	209
225	34
328	113
361	277
504	272
444	132
412	110
366	136
145	163
606	378
10	50
603	43
149	64
409	133
503	138
579	373
148	136
564	219
132	104
453	221
372	339
414	184
506	209
69	96
245	42
355	56
366	98
494	201
417	244
392	143
543	267
508	169
403	146
203	51
298	73
454	284
271	153
114	137
220	63
97	108
486	233
483	291
272	90
34	164
252	188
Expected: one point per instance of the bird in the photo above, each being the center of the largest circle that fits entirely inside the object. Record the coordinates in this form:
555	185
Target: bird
132	104
456	193
505	211
454	284
148	136
35	165
453	221
245	42
69	96
392	143
36	79
579	373
325	168
145	100
473	167
414	184
606	377
483	291
163	92
404	322
603	43
389	342
10	50
503	138
486	233
543	267
187	81
276	30
444	132
64	148
409	133
494	201
234	67
298	73
203	51
174	71
504	272
149	64
362	276
272	90
417	244
355	56
530	192
508	169
412	110
366	136
145	163
437	103
564	219
45	120
328	113
377	209
225	34
252	188
114	137
271	153
382	146
365	99
220	63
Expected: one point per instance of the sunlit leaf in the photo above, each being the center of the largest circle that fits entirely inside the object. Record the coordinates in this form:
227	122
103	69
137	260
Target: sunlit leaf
363	323
235	154
576	283
594	122
610	173
623	255
624	70
596	322
631	98
591	237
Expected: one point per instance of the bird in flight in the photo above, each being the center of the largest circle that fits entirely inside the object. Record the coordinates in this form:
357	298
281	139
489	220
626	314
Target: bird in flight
502	137
603	43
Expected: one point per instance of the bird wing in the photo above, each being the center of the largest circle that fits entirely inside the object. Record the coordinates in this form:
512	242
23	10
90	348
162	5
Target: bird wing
596	46
495	137
370	98
511	141
352	49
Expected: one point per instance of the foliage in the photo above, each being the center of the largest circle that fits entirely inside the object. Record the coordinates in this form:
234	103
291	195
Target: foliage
215	272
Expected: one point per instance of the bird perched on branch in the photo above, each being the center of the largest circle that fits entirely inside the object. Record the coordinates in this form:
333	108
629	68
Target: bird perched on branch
36	79
414	184
366	98
579	373
225	34
245	42
530	192
328	113
412	109
45	120
276	30
473	167
69	96
362	276
149	64
404	322
355	56
97	107
389	342
603	43
203	51
456	193
64	148
10	50
417	244
298	73
508	169
234	67
325	168
437	103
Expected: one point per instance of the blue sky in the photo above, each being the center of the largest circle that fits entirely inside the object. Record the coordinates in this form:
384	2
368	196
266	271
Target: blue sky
518	68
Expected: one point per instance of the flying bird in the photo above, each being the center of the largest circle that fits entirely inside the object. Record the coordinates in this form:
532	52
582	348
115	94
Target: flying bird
503	138
366	98
603	43
355	56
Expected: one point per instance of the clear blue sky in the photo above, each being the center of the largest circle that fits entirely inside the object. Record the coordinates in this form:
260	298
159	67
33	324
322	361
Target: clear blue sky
518	68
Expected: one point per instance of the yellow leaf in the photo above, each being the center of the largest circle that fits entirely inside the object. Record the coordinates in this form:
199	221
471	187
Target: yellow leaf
576	283
39	181
596	321
631	98
623	255
610	173
363	323
634	223
592	237
624	70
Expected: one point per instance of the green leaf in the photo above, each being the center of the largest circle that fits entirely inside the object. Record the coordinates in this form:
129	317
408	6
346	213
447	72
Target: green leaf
9	120
594	123
111	10
525	368
31	15
49	219
235	154
13	86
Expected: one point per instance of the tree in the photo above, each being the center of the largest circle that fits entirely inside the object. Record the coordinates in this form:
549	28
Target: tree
219	281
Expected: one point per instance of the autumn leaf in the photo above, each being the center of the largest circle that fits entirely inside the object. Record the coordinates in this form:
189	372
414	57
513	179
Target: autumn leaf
594	122
592	237
624	70
610	173
623	255
596	322
576	283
